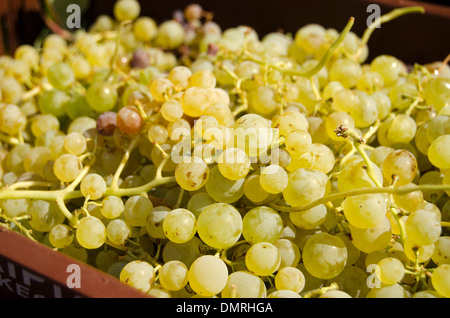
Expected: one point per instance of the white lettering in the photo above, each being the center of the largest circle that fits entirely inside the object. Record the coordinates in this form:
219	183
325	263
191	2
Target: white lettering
74	20
74	279
374	17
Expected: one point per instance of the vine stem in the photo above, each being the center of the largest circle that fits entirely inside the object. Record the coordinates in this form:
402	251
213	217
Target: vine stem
383	19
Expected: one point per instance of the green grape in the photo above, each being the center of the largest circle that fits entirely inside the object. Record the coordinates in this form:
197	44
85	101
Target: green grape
438	152
324	255
298	142
126	10
14	207
437	127
222	189
105	259
365	112
202	78
273	179
14	162
290	278
179	76
198	202
61	76
186	253
330	89
253	189
388	67
138	274
171	34
192	173
67	167
365	211
383	104
253	134
11	90
426	294
335	294
262	259
290	121
61	236
173	275
91	232
195	101
441	280
390	270
180	225
53	102
262	101
344	99
431	177
145	29
262	224
415	252
172	110
352	281
222	113
82	125
243	284
219	225
233	163
310	37
12	119
309	219
75	143
77	252
372	239
402	163
345	71
437	92
101	96
44	215
370	82
36	159
136	210
77	107
155	221
441	251
423	227
283	294
402	95
402	129
93	185
118	231
305	186
112	207
289	252
208	275
158	291
335	120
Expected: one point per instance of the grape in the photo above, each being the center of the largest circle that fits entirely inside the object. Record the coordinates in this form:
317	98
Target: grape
67	167
112	207
441	281
138	274
324	158
390	270
324	255
335	120
222	189
437	92
53	102
186	253
402	163
61	236
335	294
365	113
144	29
12	120
290	278
441	251
388	67
289	252
372	239
173	275
126	10
180	225
423	227
219	225
262	259
192	173
273	179
136	210
233	163
244	285
424	253
61	76
101	96
309	219
290	121
283	294
14	207
304	186
44	215
93	185
91	232
128	120
262	224
171	34
171	110
118	231
253	189
298	142
208	275
365	211
345	71
438	152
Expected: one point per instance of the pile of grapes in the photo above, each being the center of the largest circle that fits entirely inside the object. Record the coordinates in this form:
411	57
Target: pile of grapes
191	161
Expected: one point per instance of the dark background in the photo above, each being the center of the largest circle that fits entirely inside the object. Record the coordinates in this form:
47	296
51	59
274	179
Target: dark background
412	38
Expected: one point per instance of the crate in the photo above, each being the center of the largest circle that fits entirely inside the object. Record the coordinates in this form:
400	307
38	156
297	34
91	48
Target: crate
29	269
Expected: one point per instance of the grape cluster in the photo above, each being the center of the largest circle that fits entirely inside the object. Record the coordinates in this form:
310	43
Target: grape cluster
191	161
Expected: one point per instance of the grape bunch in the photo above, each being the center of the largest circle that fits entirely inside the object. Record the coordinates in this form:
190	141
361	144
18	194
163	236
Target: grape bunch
190	161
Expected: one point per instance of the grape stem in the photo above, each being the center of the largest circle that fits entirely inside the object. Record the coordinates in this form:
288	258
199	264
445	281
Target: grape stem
319	292
383	19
